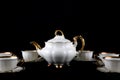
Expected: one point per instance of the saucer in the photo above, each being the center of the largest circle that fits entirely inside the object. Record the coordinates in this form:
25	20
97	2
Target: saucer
37	60
102	69
105	70
17	69
79	59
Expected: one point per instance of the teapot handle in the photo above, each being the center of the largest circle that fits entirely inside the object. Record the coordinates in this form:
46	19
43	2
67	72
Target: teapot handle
20	62
99	61
56	31
37	46
82	40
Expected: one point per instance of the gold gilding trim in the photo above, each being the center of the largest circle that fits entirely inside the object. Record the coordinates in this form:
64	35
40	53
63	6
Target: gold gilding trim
56	31
37	46
82	41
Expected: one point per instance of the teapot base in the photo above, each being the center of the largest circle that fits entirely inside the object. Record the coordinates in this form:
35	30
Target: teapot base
49	65
58	65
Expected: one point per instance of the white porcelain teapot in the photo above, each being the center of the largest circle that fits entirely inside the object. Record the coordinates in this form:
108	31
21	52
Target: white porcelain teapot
59	50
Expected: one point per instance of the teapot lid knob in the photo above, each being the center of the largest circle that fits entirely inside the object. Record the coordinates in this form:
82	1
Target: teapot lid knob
56	31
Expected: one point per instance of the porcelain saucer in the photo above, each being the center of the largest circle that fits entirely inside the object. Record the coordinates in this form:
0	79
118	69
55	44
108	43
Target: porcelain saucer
102	69
79	59
37	60
17	69
105	70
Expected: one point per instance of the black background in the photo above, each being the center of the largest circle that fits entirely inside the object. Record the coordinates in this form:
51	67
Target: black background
25	21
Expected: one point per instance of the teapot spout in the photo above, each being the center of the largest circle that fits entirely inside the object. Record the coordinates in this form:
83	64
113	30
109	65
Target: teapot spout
37	46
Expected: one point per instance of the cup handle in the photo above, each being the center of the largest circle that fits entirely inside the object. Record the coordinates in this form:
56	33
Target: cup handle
20	62
99	62
82	41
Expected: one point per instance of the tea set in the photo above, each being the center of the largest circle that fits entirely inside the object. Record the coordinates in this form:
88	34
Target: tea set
59	51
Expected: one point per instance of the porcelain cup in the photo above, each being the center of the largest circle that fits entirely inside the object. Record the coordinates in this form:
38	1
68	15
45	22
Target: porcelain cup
8	63
112	63
29	55
85	55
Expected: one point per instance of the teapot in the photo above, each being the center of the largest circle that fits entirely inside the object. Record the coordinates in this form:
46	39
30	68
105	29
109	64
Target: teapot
59	50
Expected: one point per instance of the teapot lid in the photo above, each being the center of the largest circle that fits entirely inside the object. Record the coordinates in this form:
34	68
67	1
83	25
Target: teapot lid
59	38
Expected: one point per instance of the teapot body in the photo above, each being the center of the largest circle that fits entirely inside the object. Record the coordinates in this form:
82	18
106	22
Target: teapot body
58	53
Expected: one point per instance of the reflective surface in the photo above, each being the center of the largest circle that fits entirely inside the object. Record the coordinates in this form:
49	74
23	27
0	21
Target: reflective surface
77	70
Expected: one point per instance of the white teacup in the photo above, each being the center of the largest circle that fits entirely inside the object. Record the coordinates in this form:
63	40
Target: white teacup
112	63
85	55
29	55
8	63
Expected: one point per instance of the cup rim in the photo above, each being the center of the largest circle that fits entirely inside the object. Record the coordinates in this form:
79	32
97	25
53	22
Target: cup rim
5	53
9	58
102	53
86	51
28	50
105	54
111	58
